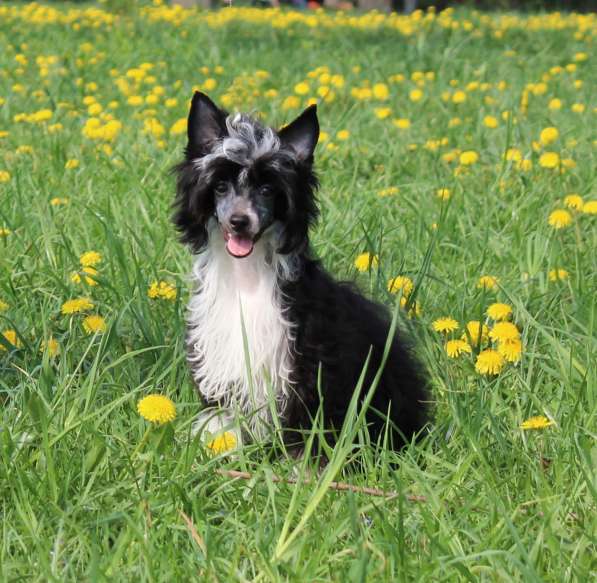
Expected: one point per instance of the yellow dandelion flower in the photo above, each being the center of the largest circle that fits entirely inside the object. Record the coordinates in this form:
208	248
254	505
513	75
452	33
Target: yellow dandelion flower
558	274
381	91
222	443
468	158
162	290
3	306
454	348
157	409
291	102
76	305
443	193
11	337
489	362
50	346
489	121
179	127
401	283
555	104
382	112
401	123
58	201
459	97
487	282
71	164
89	276
388	191
4	176
549	135
366	261
90	258
5	231
476	332
574	201
414	309
343	135
94	323
513	155
590	207
559	219
504	331
301	88
538	422
510	349
415	95
549	160
445	325
499	311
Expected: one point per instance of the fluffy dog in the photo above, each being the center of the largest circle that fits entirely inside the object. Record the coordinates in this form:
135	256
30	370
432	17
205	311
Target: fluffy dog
270	333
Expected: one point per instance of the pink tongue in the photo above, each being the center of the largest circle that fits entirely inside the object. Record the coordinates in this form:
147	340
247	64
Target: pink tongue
239	246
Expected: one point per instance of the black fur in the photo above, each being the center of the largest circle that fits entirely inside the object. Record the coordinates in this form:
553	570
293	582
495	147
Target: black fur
335	326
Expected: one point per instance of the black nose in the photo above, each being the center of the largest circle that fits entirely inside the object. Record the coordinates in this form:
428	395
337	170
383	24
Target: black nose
239	222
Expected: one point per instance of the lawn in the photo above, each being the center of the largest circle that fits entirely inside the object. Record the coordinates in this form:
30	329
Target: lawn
458	167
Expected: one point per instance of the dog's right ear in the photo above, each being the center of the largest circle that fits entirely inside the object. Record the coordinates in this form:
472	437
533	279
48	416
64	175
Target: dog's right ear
206	125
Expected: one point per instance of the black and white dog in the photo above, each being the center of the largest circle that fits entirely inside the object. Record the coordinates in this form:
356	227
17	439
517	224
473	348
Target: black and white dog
266	323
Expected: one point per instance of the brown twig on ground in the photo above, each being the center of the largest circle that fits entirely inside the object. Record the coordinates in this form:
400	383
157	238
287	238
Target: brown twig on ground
340	486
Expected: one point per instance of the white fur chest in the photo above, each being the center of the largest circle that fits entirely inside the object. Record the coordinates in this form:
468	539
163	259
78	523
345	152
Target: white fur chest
232	294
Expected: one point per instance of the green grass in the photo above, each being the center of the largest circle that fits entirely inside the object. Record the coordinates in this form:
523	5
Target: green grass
88	494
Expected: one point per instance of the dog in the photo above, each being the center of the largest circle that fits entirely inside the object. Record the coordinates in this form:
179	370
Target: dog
270	334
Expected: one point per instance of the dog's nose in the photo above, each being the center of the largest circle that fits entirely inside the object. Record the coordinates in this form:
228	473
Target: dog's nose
239	222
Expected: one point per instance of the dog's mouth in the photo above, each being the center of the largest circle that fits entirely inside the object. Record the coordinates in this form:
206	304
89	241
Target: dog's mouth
238	246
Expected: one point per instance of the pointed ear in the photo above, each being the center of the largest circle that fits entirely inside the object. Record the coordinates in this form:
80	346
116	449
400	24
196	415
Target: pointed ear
302	134
206	124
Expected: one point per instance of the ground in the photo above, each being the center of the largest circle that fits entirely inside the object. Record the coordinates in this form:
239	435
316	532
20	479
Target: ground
458	154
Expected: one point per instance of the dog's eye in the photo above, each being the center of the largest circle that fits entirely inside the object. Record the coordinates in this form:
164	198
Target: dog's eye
221	188
266	191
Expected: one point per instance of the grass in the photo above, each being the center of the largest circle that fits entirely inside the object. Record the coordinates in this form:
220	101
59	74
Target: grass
89	492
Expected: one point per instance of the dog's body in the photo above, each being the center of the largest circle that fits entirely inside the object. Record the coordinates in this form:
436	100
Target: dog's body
267	326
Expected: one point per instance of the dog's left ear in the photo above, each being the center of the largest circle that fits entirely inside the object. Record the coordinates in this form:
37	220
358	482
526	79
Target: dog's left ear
302	134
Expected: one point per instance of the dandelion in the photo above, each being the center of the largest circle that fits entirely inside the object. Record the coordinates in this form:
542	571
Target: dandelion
489	121
179	127
291	102
4	176
454	348
559	219
3	306
94	323
510	349
574	201
489	362
90	258
343	135
301	88
71	164
162	290
558	274
50	346
76	306
549	160
499	311
5	231
366	261
414	308
487	282
468	158
89	275
157	409
381	91
58	201
222	443
415	95
11	337
548	135
504	332
401	123
388	191
476	331
445	325
590	207
443	193
382	112
538	422
401	283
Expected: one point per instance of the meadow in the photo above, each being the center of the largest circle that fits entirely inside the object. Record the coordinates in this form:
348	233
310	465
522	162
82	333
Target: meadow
458	167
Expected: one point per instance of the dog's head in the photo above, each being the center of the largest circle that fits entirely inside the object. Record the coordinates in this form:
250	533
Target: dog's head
248	177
